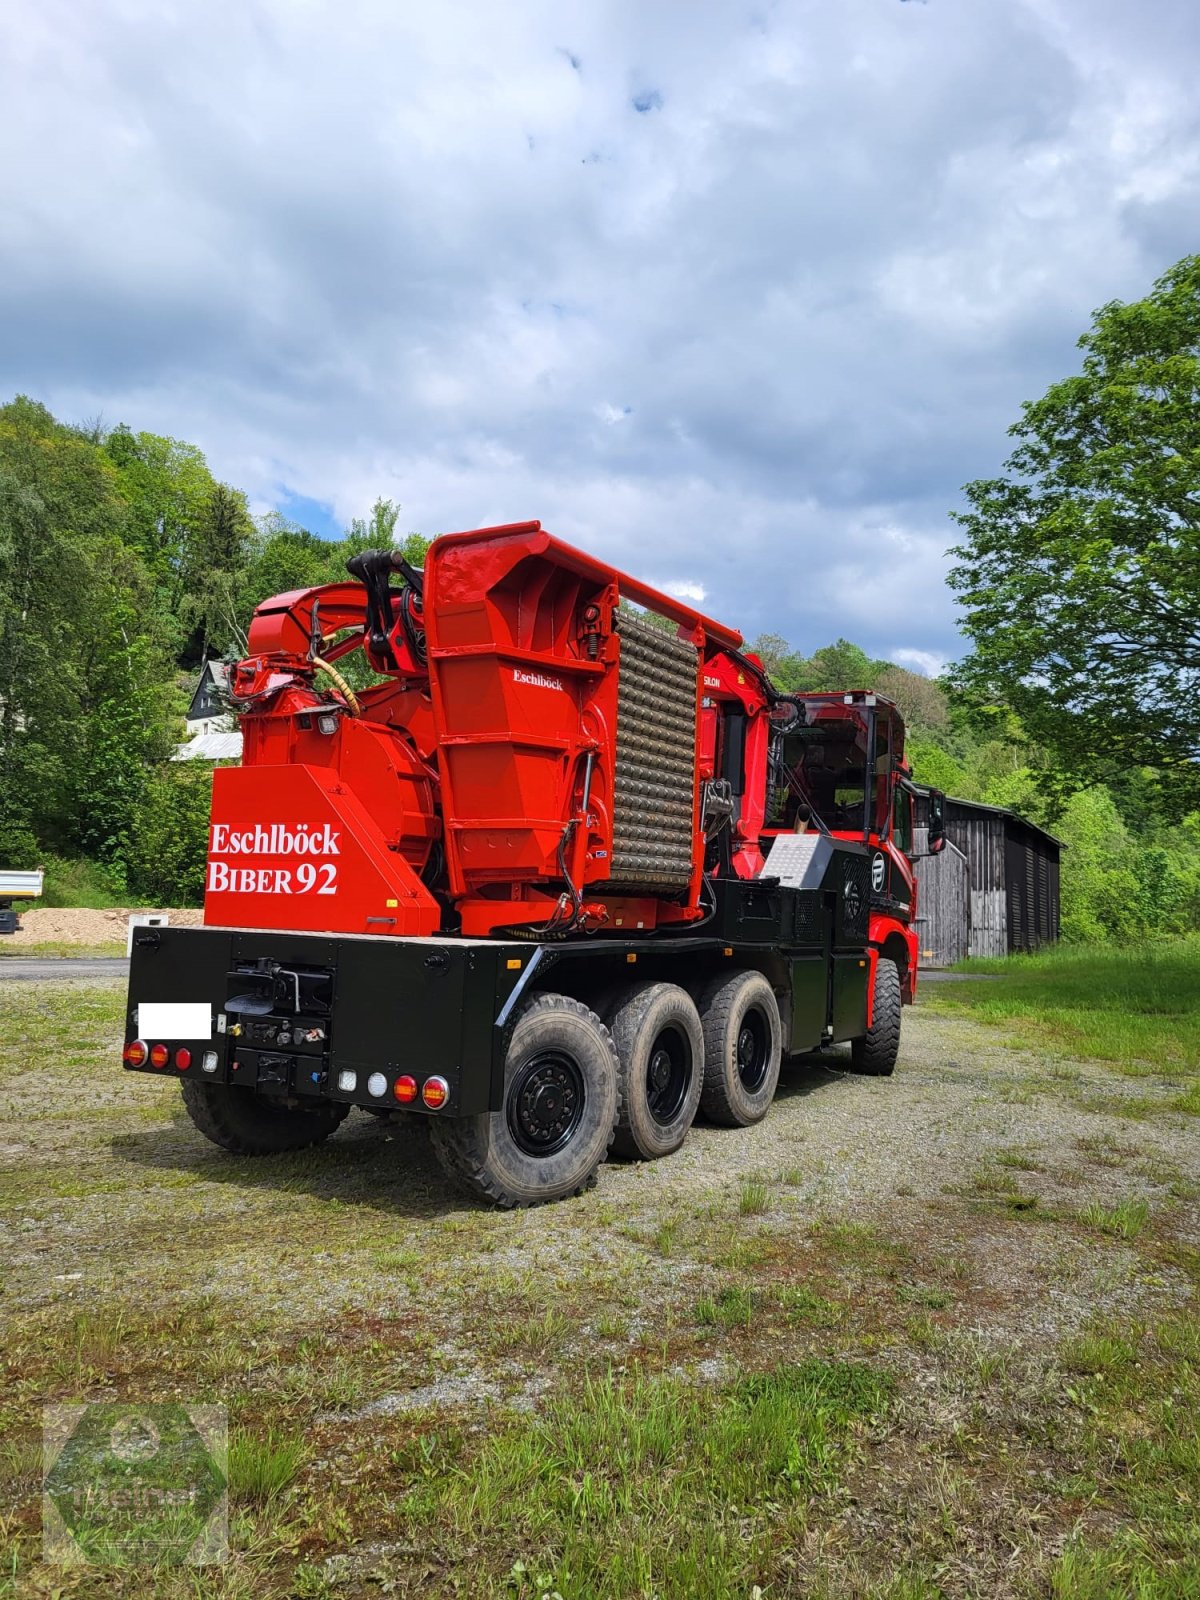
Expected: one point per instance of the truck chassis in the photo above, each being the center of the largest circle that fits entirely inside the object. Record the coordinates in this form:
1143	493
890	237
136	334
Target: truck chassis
529	1059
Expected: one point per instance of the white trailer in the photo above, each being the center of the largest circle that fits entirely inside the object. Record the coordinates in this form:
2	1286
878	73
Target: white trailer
17	886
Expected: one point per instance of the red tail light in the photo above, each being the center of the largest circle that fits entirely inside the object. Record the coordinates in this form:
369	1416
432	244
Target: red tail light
134	1054
183	1059
405	1090
435	1093
159	1055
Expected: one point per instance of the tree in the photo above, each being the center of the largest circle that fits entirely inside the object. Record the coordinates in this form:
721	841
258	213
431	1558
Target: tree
922	701
83	671
216	559
841	666
1080	570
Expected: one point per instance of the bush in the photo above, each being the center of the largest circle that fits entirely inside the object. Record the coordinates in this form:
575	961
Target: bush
165	852
92	884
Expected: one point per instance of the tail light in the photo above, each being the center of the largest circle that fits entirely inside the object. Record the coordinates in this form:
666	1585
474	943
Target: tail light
134	1054
183	1059
405	1090
159	1055
435	1093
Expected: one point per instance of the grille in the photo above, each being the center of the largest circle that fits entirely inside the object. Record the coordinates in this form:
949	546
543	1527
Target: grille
655	778
856	888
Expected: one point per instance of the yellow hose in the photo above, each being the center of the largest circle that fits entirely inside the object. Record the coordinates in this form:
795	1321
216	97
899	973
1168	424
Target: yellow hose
339	683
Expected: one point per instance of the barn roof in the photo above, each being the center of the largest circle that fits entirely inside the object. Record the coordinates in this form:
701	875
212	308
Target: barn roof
998	811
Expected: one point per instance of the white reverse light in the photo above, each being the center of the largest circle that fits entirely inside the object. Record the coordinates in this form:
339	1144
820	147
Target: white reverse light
348	1082
209	1063
377	1085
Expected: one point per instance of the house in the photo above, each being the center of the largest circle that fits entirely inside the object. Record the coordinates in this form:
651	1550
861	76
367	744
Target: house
992	891
212	735
209	710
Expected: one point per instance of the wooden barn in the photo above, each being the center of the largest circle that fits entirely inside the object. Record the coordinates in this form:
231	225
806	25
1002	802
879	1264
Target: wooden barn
992	891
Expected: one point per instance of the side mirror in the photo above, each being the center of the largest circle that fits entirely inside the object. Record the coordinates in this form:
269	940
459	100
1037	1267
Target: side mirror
937	822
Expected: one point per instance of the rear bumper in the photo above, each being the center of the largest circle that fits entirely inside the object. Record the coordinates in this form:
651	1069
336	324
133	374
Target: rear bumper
348	1015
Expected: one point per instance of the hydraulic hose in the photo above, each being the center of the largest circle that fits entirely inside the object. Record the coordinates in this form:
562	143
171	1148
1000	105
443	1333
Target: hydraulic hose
339	682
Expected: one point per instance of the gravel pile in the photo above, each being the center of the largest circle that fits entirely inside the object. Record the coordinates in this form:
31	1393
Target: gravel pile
88	929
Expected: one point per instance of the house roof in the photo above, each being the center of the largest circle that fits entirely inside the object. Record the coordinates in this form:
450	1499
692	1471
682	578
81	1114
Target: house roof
212	682
210	747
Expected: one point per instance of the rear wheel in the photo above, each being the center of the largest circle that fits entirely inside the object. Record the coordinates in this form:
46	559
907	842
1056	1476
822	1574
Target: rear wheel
561	1101
243	1122
875	1053
657	1032
743	1046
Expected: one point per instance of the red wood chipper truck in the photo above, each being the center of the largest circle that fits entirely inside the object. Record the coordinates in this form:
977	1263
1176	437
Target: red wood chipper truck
567	871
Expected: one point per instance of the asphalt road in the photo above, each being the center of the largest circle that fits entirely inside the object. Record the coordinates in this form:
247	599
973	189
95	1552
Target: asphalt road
44	967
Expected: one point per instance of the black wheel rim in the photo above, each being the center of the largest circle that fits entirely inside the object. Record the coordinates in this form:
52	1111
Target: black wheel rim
668	1073
753	1050
545	1103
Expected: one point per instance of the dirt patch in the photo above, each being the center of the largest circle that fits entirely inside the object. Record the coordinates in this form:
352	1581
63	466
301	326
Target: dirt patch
77	925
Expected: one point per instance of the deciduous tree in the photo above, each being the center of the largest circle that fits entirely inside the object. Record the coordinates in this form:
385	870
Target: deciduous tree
1080	570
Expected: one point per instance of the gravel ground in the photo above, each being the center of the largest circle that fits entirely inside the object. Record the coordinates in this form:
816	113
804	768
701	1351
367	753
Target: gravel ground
166	1212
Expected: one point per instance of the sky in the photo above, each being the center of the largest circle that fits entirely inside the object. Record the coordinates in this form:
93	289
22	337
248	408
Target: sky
734	295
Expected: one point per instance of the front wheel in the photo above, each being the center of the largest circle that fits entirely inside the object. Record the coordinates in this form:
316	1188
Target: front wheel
875	1053
560	1109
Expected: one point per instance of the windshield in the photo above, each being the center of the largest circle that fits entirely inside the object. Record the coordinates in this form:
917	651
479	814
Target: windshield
823	770
822	767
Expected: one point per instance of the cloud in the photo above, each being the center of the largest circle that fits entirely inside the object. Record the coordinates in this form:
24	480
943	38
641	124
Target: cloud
923	661
757	330
682	589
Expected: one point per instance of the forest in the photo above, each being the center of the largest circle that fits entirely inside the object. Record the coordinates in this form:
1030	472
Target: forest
124	564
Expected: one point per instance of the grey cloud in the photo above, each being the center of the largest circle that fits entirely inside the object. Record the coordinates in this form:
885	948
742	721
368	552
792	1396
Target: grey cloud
754	341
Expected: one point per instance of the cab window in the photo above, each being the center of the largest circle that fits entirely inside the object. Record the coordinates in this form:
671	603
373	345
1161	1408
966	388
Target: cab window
902	821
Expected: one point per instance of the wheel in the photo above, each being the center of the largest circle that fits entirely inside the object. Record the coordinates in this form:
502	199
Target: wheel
561	1101
241	1121
875	1053
743	1046
656	1029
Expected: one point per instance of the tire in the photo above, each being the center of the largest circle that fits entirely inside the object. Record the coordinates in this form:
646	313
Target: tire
743	1047
561	1102
660	1044
875	1053
240	1121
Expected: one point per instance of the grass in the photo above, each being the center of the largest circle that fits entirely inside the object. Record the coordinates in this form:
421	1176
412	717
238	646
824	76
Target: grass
1137	1395
732	1307
262	1469
61	947
647	1484
1125	1220
1138	1007
645	1391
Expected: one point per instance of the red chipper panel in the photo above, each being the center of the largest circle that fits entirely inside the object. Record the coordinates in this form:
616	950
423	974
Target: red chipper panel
528	756
566	731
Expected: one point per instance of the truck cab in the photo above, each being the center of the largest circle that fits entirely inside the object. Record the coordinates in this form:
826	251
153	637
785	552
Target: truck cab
837	766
